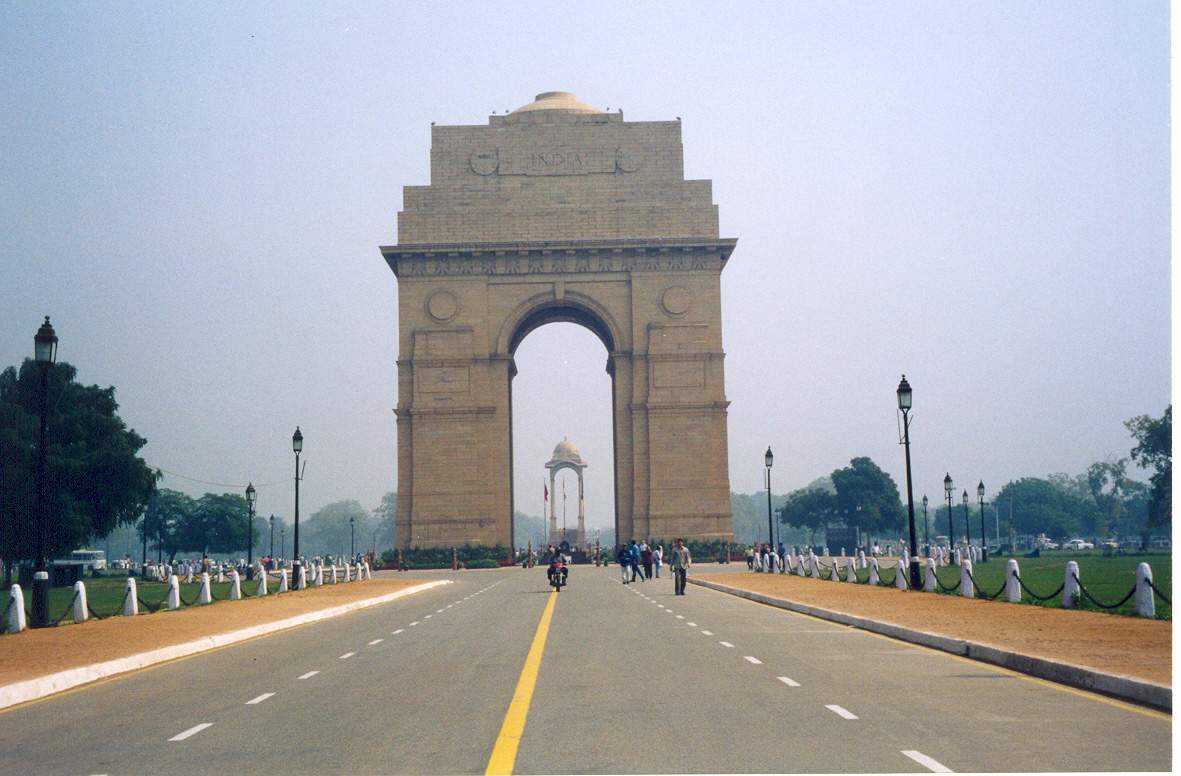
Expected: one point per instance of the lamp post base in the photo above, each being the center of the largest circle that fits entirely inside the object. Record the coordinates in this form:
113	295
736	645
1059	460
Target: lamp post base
916	580
40	617
295	578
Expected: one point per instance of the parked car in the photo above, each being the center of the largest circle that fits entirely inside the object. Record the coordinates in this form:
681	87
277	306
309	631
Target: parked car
1079	544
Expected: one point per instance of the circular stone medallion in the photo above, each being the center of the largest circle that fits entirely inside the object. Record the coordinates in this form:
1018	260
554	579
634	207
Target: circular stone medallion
676	300
442	306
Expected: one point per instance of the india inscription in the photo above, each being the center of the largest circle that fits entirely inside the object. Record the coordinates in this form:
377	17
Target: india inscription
559	211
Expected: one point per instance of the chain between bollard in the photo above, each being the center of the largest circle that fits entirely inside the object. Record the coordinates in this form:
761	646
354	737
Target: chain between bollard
1086	594
69	609
95	614
1037	597
883	582
1159	594
149	607
985	596
945	588
7	609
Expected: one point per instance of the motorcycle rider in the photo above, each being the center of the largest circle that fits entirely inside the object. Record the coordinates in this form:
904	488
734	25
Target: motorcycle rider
557	566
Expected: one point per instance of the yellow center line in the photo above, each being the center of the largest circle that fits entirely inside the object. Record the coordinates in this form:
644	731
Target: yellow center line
504	753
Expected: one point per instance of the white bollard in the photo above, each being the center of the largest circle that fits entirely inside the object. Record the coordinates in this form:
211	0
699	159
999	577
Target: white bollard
1145	603
173	592
900	573
16	610
368	571
813	564
929	581
334	579
301	580
1070	591
861	559
221	576
206	595
235	586
842	552
80	611
262	585
188	573
874	579
850	570
1013	581
283	587
967	589
958	557
130	596
318	575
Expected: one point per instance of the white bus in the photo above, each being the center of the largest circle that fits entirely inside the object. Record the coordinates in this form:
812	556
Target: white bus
88	559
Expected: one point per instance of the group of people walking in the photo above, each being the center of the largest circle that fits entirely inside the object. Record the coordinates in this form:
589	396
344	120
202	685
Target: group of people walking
639	561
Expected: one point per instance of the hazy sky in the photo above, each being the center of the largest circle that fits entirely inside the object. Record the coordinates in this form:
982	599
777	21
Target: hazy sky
975	194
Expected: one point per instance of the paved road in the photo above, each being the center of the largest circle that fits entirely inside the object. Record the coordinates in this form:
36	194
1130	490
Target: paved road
632	679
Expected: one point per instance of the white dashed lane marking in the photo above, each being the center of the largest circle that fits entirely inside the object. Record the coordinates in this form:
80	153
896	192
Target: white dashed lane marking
438	611
752	660
707	633
680	616
428	617
414	623
841	711
346	655
309	675
929	763
691	624
395	633
375	642
194	730
726	644
788	681
259	699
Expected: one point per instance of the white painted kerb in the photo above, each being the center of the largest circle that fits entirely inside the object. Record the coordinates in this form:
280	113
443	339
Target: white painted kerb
32	689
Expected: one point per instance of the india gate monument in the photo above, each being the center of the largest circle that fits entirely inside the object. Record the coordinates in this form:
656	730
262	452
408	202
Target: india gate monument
559	211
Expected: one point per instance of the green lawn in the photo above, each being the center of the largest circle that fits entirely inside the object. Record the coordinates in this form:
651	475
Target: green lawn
105	595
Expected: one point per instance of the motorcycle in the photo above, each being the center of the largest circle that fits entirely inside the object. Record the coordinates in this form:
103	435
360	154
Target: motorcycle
557	577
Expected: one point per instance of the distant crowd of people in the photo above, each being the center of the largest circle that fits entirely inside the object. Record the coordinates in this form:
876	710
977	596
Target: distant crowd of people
640	562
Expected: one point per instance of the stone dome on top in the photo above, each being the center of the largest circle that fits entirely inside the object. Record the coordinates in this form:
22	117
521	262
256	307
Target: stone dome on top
563	101
566	451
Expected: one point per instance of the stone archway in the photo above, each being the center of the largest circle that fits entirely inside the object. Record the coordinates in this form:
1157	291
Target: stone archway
559	212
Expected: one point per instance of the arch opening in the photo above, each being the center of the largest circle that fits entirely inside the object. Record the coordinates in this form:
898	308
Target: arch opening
555	396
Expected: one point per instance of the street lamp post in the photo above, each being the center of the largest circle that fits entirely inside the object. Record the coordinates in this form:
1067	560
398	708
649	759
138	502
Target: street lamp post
251	495
272	539
283	542
948	489
905	399
352	538
297	446
983	534
926	525
45	353
768	459
967	523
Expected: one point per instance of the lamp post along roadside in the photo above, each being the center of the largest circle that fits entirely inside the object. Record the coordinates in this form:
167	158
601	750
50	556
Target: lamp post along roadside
352	538
283	542
45	353
926	525
297	447
905	402
272	538
948	489
251	495
768	459
967	522
983	535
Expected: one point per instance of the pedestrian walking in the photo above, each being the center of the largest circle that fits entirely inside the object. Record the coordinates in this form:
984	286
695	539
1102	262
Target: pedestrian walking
646	559
679	563
658	558
635	561
624	558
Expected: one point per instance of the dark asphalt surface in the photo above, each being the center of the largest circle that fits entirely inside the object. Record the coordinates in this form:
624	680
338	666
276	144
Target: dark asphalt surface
630	682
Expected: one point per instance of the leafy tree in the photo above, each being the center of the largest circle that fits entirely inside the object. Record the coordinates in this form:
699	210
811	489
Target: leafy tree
95	479
867	498
386	516
1107	486
327	530
166	513
1154	450
219	523
812	509
1040	506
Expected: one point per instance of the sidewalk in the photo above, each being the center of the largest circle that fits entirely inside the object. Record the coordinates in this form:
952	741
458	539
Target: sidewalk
50	653
1113	645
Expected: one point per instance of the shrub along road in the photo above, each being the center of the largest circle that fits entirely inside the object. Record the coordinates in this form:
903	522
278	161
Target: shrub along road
630	679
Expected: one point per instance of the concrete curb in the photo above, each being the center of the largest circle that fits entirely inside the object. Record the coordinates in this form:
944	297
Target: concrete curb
43	686
1137	690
